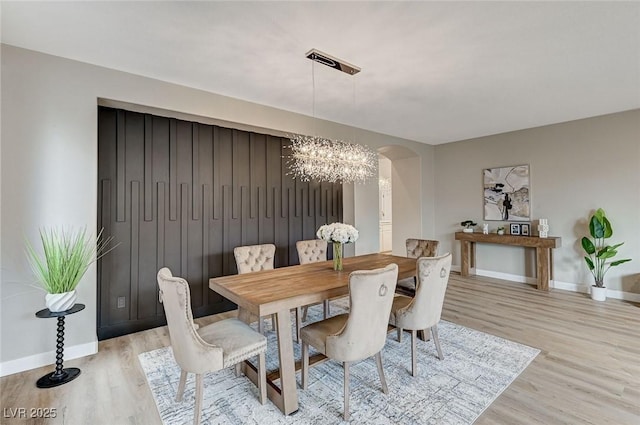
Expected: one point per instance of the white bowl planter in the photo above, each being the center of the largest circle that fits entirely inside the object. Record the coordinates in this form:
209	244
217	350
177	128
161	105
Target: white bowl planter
467	230
598	293
60	302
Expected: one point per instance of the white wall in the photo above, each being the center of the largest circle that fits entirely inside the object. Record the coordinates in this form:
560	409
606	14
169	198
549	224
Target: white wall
49	172
575	168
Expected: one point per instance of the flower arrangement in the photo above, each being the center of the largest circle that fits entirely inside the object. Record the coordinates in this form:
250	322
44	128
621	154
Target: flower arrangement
338	234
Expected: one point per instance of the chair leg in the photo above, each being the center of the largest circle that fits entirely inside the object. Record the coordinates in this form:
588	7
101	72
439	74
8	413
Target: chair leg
298	323
198	409
345	414
262	378
305	310
383	381
414	366
305	365
436	340
181	384
327	309
399	331
260	326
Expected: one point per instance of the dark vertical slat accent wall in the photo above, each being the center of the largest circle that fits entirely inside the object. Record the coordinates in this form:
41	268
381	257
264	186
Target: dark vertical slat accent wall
195	172
134	237
148	168
182	195
173	158
215	155
161	217
121	143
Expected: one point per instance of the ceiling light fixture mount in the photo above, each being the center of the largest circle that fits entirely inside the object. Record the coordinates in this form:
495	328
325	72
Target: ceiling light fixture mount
332	62
336	161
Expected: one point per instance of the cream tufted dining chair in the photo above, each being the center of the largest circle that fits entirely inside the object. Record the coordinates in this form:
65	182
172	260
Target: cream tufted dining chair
423	311
359	334
416	248
312	251
210	348
253	258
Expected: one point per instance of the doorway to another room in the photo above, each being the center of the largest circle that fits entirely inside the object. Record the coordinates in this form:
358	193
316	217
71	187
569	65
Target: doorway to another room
399	202
385	207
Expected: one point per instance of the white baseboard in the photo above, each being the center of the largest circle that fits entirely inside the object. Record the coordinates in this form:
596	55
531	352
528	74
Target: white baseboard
556	284
43	359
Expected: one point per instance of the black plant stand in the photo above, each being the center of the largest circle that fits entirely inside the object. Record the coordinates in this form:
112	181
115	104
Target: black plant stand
60	376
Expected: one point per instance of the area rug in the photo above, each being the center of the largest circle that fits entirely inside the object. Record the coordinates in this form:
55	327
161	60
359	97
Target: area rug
476	369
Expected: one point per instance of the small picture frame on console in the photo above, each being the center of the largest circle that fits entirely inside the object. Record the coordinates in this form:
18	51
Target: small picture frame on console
514	229
525	229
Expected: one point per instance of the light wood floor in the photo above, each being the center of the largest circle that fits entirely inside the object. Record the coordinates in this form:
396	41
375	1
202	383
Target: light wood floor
587	373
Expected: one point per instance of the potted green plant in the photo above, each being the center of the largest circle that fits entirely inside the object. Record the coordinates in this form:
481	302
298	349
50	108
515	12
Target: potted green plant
599	252
66	257
468	226
500	230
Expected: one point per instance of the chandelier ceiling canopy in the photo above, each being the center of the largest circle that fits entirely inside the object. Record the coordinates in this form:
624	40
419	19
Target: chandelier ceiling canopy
321	159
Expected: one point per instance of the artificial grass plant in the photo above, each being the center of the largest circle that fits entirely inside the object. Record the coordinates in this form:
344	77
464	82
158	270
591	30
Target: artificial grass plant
67	256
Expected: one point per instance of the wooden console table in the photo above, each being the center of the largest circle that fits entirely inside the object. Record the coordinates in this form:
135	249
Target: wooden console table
543	246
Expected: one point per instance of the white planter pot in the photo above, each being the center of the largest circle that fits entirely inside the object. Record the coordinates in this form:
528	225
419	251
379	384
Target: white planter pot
60	302
598	293
465	230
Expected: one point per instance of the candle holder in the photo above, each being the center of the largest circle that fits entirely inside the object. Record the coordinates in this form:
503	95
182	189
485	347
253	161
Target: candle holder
543	228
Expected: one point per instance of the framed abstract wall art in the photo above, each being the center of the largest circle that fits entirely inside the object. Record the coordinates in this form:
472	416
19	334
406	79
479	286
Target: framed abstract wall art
506	193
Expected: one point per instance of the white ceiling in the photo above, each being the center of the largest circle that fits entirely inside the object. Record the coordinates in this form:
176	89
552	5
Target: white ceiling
434	72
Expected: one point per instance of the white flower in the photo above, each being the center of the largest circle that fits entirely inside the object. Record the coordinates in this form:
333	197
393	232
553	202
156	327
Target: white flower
338	232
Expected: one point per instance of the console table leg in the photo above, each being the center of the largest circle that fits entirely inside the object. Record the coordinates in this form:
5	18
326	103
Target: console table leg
542	260
465	248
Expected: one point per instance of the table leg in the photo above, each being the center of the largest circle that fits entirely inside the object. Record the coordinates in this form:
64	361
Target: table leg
287	363
285	396
244	315
551	265
465	251
542	264
61	375
425	334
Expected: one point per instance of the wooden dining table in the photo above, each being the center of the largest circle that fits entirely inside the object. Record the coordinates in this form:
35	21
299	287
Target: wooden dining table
280	290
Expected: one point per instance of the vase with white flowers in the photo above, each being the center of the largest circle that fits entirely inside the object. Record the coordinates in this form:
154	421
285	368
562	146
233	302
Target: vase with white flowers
338	234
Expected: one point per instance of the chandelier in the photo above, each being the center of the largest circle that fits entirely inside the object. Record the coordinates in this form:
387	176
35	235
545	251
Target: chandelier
335	161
